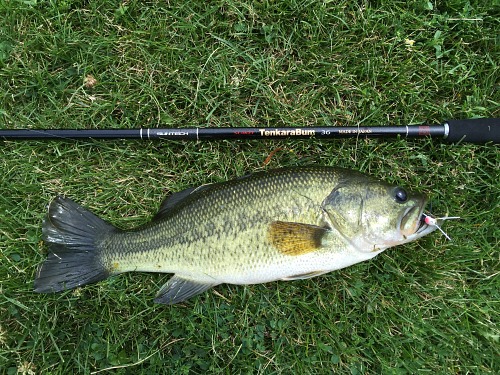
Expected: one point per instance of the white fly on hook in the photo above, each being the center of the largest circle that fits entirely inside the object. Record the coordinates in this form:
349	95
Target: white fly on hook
433	221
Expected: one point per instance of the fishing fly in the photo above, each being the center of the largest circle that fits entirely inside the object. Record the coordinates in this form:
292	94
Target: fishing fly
433	221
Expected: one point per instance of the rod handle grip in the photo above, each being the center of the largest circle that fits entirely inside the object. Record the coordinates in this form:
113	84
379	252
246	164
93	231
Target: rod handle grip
480	130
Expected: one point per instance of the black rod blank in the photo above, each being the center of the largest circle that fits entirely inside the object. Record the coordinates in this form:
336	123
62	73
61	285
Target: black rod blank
472	131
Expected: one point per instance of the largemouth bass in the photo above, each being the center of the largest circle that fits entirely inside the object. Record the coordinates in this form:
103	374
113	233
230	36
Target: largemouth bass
285	224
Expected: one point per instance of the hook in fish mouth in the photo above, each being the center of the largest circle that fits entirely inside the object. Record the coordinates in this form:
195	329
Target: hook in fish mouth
419	228
424	228
422	225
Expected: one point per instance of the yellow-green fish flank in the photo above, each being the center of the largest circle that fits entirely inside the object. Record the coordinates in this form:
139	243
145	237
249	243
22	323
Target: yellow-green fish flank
279	225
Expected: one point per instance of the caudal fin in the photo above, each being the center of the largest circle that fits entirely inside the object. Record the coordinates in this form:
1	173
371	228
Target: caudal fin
72	234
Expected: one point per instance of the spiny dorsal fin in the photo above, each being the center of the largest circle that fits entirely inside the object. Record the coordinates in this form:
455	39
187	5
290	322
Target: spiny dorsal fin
295	238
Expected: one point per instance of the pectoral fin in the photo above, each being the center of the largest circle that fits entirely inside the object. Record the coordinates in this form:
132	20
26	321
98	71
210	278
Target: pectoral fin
179	289
295	238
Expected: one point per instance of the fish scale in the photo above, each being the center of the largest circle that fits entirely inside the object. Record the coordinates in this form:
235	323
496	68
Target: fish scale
283	224
204	227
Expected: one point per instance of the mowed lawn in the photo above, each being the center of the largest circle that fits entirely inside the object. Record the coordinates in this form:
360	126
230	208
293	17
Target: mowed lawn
428	307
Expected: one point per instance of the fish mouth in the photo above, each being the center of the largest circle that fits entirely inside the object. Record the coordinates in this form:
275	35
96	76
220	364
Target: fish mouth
412	224
411	219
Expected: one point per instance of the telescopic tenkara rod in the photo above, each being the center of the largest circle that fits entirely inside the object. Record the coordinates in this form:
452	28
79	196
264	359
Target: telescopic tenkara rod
472	131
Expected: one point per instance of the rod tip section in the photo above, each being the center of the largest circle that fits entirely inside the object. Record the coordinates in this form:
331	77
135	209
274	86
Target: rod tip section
480	130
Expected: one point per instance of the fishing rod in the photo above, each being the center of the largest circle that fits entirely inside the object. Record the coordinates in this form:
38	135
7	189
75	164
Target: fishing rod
480	131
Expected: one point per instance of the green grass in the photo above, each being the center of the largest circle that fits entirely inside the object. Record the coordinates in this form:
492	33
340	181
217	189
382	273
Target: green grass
426	307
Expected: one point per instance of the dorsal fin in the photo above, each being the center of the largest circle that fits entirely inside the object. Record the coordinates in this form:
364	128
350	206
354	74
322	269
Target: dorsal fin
173	200
295	238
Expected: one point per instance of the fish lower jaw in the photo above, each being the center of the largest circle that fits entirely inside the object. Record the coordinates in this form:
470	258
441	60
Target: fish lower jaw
422	231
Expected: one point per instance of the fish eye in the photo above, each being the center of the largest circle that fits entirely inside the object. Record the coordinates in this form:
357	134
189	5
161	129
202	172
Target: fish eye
400	195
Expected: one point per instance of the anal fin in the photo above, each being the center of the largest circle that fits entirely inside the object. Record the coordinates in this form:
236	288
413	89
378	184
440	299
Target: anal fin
179	289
